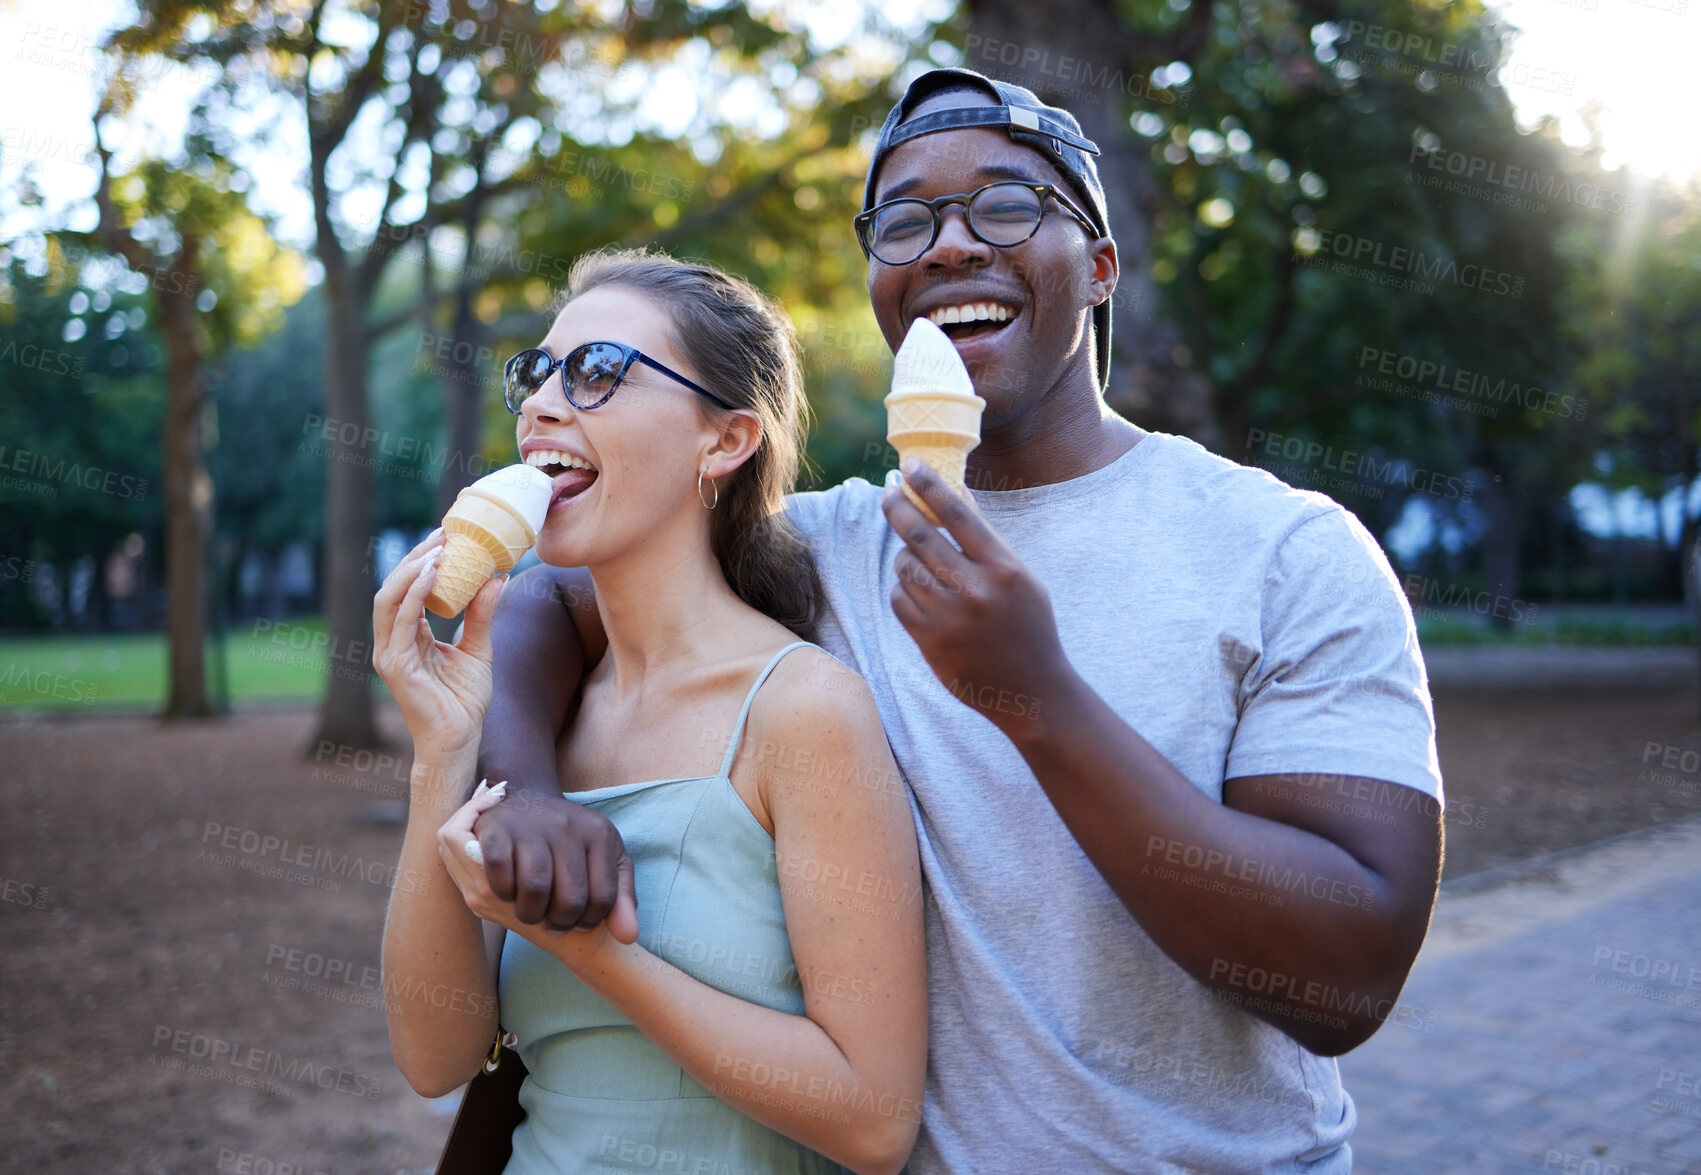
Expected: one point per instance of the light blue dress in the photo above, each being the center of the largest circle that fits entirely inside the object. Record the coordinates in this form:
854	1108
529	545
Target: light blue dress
601	1097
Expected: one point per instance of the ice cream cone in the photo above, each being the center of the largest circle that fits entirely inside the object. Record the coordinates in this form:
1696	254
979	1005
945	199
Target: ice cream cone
932	412
493	522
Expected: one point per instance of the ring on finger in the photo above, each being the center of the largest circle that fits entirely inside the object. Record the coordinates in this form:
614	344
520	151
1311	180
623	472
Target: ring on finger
475	853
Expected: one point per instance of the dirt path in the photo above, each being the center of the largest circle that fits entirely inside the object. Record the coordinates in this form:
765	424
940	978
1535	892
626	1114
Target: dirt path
178	998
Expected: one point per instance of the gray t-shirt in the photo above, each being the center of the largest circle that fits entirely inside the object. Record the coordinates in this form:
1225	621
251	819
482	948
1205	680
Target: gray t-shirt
1243	628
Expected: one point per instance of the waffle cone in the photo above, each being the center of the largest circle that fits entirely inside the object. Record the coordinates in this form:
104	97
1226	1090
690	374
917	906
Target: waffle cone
938	427
484	537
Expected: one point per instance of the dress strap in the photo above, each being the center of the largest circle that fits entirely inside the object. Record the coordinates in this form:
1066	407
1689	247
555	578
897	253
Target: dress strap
744	714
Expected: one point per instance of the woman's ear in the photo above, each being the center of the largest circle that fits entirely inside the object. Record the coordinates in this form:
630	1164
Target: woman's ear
738	434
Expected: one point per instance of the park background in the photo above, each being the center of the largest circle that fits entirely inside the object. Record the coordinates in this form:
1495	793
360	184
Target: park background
260	264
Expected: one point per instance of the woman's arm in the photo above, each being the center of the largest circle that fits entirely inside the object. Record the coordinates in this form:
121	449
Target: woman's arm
439	995
439	983
846	1077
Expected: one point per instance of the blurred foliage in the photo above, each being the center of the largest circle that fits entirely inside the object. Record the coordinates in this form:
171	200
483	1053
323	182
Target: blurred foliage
1298	135
80	403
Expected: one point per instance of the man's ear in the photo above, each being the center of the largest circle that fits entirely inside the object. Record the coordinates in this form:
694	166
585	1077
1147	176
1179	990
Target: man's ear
1102	253
738	433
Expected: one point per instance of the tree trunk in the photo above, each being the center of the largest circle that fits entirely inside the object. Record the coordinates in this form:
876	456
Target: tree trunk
1689	542
464	383
1506	505
1151	380
464	387
346	716
188	493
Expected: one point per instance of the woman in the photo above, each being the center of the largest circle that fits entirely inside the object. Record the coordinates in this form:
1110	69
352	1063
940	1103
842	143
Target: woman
771	1014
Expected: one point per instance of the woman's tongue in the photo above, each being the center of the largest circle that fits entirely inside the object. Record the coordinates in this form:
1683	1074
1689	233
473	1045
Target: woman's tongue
570	483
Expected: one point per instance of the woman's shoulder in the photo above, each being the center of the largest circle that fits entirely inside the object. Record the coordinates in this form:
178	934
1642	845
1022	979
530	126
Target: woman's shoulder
811	672
817	753
813	699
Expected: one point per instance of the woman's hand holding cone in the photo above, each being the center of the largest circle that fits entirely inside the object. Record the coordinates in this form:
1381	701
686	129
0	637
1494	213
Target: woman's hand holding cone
442	689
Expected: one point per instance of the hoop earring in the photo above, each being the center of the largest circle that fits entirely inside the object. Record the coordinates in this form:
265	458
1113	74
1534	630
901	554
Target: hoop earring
707	505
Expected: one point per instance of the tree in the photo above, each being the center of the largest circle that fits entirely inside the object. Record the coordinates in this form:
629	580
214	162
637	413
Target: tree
184	228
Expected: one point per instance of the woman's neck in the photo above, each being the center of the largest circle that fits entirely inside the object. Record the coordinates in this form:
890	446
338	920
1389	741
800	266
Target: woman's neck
664	600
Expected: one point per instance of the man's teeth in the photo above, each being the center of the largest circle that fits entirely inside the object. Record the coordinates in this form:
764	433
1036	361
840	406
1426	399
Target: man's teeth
543	457
971	312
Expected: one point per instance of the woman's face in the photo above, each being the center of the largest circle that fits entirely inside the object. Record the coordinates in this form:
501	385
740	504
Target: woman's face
626	471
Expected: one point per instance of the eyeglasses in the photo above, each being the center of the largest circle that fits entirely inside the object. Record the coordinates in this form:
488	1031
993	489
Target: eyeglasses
1004	213
590	374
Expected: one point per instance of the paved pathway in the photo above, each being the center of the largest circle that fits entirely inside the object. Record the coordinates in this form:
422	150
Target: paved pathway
1554	1022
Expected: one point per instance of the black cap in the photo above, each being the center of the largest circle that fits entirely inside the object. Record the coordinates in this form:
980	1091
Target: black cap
1051	131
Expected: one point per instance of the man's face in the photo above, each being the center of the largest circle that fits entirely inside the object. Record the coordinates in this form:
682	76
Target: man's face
1045	284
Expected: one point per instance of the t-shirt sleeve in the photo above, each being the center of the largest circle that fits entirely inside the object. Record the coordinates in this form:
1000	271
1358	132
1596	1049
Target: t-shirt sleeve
827	519
1339	685
813	514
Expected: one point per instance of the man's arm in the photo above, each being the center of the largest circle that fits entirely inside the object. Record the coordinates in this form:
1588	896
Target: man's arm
1305	917
551	857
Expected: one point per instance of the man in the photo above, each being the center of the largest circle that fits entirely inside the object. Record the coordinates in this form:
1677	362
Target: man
1176	792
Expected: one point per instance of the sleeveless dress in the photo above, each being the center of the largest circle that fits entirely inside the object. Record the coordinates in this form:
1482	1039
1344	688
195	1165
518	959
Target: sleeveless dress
600	1096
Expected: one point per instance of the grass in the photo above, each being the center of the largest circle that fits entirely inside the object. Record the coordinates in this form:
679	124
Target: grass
285	660
288	660
1587	631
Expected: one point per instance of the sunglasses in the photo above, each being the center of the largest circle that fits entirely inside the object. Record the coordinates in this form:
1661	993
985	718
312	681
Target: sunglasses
1005	213
590	374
